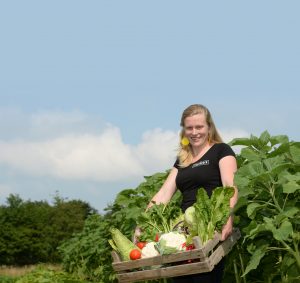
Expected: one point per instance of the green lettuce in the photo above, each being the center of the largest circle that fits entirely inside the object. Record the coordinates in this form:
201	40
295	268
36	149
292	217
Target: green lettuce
208	214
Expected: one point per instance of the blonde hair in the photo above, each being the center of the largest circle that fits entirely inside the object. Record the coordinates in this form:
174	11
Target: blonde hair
185	152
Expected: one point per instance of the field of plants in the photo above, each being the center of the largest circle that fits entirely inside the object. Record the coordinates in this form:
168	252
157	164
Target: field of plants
267	214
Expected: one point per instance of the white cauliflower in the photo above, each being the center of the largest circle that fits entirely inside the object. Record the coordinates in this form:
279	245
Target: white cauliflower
171	242
149	250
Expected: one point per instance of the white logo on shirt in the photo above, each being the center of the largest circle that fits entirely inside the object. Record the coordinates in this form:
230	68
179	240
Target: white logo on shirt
200	163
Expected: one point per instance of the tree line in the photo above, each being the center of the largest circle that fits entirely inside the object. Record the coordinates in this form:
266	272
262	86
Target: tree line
31	231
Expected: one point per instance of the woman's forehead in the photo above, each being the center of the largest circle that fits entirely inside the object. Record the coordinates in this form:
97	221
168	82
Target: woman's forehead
195	119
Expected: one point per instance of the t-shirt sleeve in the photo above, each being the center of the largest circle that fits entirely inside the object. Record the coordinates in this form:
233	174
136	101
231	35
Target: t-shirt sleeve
176	164
225	150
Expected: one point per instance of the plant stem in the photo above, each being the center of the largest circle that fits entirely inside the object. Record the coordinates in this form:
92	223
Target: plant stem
236	275
242	264
275	200
276	249
296	253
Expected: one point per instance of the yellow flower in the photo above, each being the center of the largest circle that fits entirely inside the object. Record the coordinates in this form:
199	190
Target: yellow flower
185	141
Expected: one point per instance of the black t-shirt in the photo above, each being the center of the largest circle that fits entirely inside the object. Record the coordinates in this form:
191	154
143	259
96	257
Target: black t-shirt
204	173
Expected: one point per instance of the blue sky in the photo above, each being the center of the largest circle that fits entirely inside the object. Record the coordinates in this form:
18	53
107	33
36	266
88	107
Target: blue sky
91	92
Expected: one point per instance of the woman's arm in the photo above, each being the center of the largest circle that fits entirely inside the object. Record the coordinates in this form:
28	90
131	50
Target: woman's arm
164	195
228	167
167	190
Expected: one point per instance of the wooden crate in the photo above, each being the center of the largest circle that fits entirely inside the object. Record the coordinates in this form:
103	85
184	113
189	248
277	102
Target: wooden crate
199	260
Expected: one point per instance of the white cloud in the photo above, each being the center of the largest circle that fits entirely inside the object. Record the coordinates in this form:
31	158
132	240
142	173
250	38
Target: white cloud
102	157
98	157
90	155
158	149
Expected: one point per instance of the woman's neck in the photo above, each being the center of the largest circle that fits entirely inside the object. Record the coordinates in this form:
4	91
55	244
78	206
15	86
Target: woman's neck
198	152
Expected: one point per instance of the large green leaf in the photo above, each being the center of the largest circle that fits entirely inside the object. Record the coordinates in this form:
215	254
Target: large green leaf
283	233
280	150
291	187
254	229
250	154
264	137
290	212
241	181
255	259
285	176
295	152
125	197
253	169
280	139
241	141
252	208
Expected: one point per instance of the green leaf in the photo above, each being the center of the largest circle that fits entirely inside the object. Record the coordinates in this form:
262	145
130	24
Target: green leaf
251	209
284	232
289	266
273	162
290	211
280	150
203	205
292	177
252	169
264	138
241	203
240	141
280	139
254	229
240	180
290	187
132	212
295	152
125	197
249	154
255	259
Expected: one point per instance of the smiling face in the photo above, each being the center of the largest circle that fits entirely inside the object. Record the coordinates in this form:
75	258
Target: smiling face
196	130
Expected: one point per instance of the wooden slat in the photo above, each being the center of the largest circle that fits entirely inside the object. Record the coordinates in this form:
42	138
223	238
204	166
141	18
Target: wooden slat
165	272
208	247
224	248
159	260
115	256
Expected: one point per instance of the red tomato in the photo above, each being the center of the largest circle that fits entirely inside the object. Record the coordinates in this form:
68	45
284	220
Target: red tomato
141	244
135	254
190	247
157	237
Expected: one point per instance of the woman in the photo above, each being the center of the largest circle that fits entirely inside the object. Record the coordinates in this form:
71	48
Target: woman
203	161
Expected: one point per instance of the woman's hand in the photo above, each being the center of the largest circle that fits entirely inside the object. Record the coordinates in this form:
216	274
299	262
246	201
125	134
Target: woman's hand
227	229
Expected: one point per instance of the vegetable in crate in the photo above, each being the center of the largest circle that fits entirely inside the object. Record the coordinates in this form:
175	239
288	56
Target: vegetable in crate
150	250
208	215
135	254
171	242
121	244
158	219
141	245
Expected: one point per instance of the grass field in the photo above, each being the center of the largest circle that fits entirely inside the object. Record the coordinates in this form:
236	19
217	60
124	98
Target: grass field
15	271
